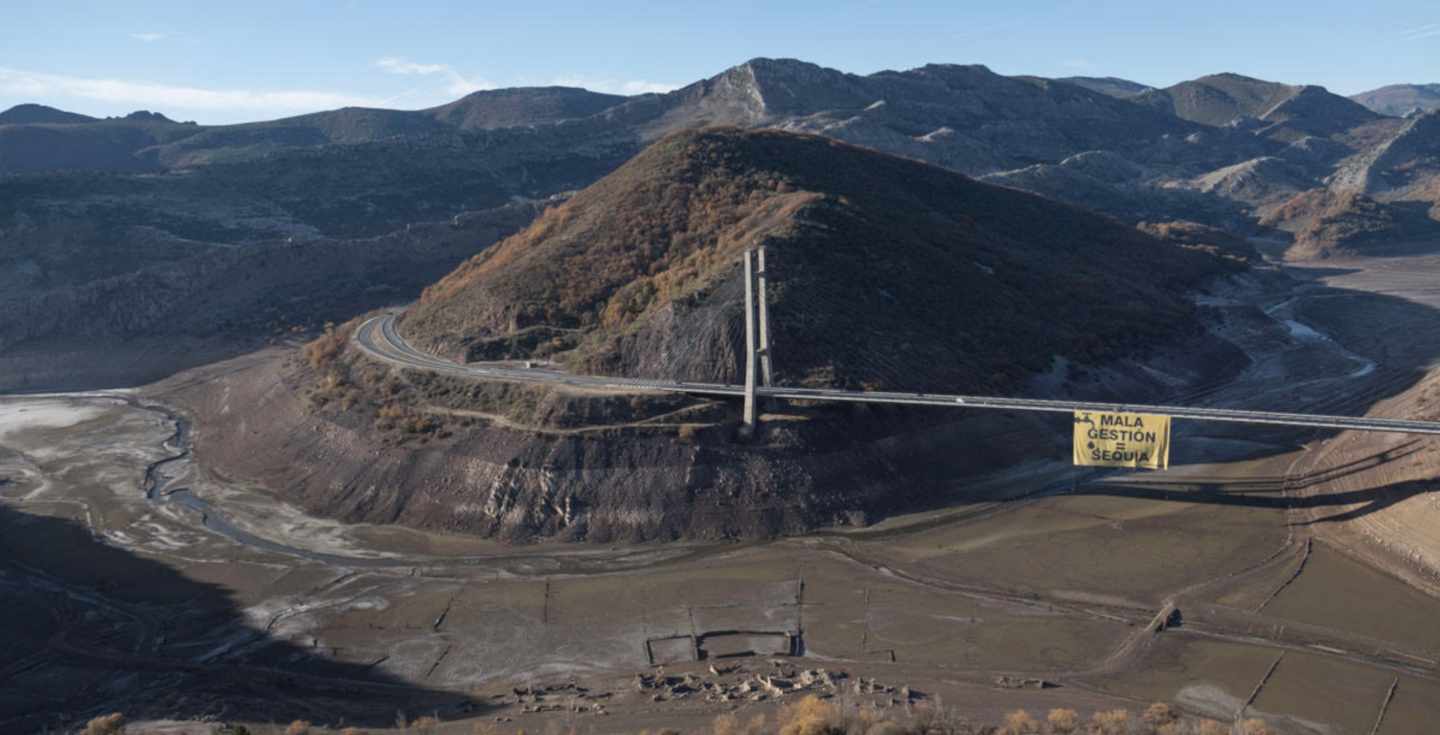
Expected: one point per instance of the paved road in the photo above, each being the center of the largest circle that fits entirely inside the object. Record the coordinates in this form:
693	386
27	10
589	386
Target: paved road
379	338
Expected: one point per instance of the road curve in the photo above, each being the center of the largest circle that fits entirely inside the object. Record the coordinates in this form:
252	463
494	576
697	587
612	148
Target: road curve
379	338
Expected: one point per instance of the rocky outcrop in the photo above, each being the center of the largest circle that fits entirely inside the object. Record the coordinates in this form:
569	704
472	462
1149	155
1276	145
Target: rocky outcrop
1258	181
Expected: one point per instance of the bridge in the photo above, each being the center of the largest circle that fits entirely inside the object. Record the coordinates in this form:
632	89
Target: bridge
379	338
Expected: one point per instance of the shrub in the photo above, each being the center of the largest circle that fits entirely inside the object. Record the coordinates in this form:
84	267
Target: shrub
726	724
1255	727
932	717
1063	721
1020	722
1158	715
811	716
322	351
1112	722
729	724
105	725
1212	727
298	727
885	728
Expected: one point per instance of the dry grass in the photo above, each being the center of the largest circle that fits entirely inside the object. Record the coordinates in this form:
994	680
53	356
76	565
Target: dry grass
1063	721
1158	715
1020	722
1255	727
298	727
1110	722
729	724
322	351
813	716
880	261
110	724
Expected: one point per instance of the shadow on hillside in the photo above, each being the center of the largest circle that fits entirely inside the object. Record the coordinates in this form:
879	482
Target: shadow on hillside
1320	372
1277	492
1402	337
95	629
1279	483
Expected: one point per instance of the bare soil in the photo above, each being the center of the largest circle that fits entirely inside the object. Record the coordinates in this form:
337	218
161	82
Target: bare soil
210	598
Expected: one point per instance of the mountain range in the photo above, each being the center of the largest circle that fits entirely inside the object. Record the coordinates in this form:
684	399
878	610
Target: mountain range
84	199
1401	99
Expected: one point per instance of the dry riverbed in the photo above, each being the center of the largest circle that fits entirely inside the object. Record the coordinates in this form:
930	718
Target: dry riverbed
146	582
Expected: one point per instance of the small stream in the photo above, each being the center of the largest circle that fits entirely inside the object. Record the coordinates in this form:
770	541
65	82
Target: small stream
164	483
1305	333
1302	332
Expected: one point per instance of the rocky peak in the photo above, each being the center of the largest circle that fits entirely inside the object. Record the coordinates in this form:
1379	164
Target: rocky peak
147	116
794	87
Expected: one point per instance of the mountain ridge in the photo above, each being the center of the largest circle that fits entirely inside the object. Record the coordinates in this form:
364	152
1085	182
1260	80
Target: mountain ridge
1227	98
29	113
1399	100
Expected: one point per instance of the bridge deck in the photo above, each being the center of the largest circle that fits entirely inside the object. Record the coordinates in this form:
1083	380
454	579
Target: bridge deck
378	338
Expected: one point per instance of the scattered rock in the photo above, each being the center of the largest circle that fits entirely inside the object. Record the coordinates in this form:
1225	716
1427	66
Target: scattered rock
1016	682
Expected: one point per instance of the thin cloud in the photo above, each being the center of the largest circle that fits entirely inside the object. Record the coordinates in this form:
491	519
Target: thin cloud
612	86
1428	30
166	97
396	65
457	83
149	37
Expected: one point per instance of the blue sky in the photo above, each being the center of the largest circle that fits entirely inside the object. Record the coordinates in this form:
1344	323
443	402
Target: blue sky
237	61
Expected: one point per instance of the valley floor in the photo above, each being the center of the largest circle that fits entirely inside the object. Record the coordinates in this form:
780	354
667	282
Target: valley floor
1301	566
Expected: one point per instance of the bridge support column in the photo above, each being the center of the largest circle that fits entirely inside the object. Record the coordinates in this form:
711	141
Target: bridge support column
761	280
750	346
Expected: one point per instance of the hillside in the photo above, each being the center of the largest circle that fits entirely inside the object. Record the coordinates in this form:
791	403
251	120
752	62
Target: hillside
519	106
1112	86
890	273
1326	222
29	114
885	273
62	142
1259	181
157	303
1387	194
1294	110
1399	100
963	117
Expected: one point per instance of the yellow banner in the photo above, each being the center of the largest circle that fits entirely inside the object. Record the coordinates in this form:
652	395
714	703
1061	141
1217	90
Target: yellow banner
1137	440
